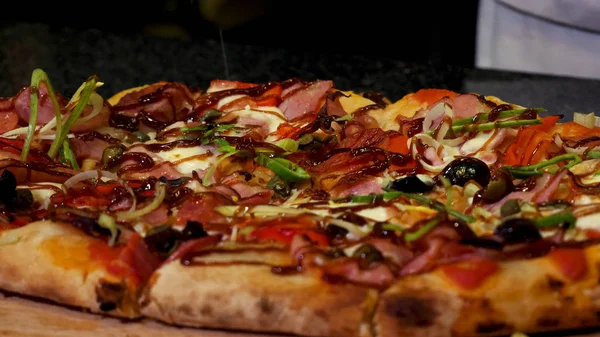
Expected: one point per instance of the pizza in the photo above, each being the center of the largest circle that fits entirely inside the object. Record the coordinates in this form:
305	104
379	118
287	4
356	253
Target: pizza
296	207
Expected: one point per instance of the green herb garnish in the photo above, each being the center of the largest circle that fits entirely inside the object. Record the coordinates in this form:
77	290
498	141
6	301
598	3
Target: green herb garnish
520	172
482	117
67	155
282	167
428	226
564	218
38	76
89	87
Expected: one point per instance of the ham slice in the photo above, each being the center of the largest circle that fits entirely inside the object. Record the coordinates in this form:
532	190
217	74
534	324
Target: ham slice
365	186
22	105
206	203
466	105
379	275
305	101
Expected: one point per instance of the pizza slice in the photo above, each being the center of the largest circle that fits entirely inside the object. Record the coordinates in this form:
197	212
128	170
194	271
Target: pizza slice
65	255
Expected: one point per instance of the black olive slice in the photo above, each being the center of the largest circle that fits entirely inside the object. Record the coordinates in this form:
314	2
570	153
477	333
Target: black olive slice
518	230
411	184
462	170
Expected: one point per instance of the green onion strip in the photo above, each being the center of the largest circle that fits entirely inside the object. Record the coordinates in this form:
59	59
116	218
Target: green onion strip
89	87
38	76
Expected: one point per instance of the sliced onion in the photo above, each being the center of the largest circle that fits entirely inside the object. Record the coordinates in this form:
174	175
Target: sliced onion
447	154
589	120
96	174
52	136
17	132
576	150
354	232
434	114
97	103
161	192
443	130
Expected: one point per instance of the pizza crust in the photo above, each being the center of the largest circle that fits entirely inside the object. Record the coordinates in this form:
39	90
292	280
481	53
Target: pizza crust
529	296
50	260
244	296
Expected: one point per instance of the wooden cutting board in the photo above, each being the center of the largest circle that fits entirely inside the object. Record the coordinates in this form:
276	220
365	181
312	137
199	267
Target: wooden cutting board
25	317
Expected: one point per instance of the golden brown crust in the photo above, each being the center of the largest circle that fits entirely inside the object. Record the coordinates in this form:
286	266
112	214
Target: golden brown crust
52	261
522	296
250	297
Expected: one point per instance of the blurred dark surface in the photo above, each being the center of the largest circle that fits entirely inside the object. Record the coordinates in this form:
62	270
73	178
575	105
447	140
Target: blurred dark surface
376	47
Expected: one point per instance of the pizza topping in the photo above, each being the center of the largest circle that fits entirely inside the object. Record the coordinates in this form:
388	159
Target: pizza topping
305	101
106	221
517	230
61	134
159	196
571	261
164	239
111	155
413	183
470	274
498	187
462	170
563	219
154	107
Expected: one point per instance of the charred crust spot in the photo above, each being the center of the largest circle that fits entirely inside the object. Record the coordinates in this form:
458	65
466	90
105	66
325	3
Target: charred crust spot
108	306
411	311
548	322
206	310
555	284
265	305
598	315
485	304
490	327
110	295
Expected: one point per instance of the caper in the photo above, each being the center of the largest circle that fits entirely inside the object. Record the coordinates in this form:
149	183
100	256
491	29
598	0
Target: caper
311	141
111	155
367	254
141	137
411	184
510	207
280	186
497	189
210	115
462	170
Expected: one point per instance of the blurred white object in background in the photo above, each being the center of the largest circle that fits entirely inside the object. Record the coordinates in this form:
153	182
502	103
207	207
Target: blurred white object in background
554	37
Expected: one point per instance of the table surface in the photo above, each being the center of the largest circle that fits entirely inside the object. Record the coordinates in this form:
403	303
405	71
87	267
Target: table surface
26	317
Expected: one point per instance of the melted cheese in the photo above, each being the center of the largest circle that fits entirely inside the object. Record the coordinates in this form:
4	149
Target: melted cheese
179	156
226	100
40	194
272	120
591	221
378	214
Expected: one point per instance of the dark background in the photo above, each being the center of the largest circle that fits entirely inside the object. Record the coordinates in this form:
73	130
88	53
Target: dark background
412	31
392	47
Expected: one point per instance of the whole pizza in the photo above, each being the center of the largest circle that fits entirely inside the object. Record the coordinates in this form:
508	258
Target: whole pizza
296	207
